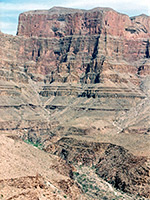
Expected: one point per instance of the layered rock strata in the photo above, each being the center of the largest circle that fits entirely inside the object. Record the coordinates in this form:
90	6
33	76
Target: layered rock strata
82	75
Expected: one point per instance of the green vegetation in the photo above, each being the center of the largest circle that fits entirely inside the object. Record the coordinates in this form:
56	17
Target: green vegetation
85	183
97	188
76	173
80	166
37	144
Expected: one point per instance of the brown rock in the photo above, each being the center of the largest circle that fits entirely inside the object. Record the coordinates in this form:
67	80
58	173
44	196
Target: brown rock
113	163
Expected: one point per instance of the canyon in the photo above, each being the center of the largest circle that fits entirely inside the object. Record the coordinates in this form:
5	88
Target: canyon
74	105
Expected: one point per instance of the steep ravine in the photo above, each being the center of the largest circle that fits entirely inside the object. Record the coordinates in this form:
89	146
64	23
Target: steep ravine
113	163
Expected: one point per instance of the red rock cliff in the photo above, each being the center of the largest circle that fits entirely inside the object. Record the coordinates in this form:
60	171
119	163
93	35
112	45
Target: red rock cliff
63	22
71	45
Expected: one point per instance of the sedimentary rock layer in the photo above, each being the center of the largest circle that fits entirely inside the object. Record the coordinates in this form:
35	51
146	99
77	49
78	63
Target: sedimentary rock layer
82	75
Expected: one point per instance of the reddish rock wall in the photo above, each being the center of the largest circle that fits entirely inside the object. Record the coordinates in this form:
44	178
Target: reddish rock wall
69	45
59	22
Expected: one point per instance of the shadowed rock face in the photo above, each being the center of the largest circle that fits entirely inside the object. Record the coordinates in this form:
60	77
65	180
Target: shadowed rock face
81	74
113	163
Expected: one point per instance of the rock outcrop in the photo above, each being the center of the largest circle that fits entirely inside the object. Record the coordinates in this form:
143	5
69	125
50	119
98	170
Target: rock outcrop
113	163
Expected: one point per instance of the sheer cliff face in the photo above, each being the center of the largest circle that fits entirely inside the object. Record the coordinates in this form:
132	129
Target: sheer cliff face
63	22
79	45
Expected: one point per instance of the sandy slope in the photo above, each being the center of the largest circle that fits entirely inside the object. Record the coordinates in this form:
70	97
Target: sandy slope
29	173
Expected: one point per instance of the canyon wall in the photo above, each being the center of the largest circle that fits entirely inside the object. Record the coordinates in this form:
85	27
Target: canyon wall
70	45
72	75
